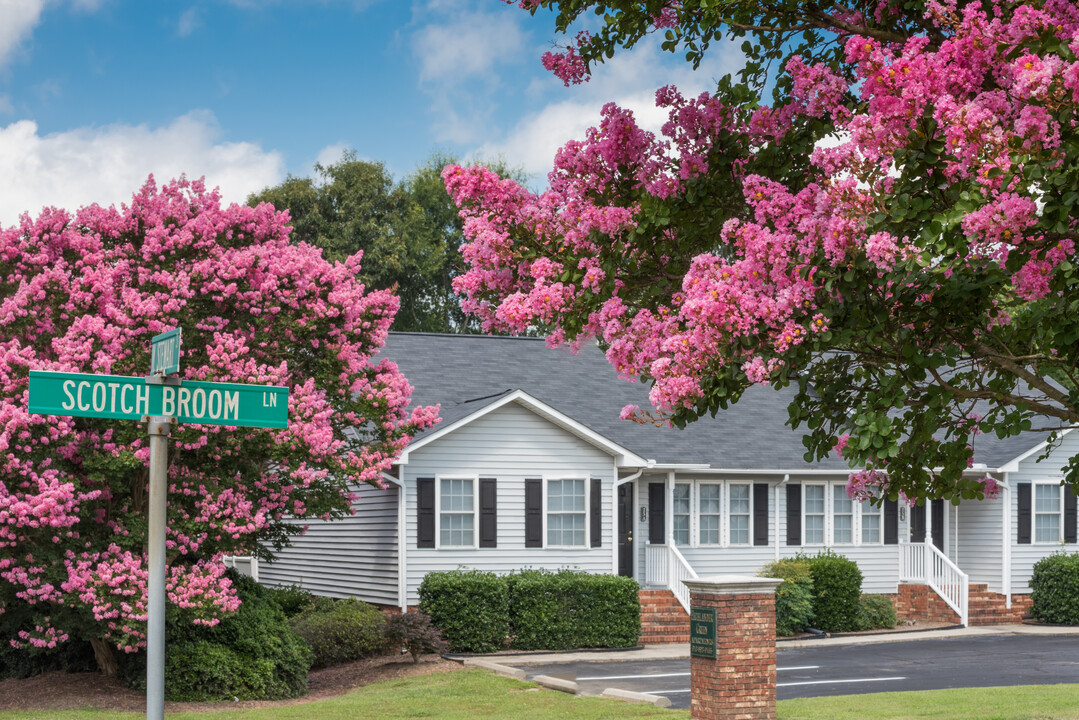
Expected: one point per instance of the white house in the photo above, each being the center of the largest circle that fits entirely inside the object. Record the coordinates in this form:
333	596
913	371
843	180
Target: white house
532	467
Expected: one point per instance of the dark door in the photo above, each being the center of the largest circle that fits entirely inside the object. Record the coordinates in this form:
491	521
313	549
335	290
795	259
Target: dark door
937	531
625	530
917	523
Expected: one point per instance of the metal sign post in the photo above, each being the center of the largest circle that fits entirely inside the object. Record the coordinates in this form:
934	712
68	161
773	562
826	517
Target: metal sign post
160	400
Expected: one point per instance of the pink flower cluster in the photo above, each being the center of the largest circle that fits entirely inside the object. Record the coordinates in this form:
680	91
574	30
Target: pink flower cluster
84	292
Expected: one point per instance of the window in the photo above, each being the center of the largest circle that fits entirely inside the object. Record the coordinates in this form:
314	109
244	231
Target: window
709	511
682	510
739	514
870	523
457	512
1047	513
842	516
566	512
814	515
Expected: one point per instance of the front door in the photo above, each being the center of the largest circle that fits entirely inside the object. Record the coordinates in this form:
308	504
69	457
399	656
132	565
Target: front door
625	529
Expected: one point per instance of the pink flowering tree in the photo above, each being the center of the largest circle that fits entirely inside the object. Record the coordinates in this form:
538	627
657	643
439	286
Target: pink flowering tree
891	228
84	292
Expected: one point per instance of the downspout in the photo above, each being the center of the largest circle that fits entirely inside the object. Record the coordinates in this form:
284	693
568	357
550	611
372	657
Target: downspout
402	544
668	510
775	522
1006	541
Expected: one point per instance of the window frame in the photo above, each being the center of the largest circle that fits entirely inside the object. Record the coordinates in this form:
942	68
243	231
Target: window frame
854	531
727	496
825	534
584	478
688	515
720	525
1034	514
475	479
878	512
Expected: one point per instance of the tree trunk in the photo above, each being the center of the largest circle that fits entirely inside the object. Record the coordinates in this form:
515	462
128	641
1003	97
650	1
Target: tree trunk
106	660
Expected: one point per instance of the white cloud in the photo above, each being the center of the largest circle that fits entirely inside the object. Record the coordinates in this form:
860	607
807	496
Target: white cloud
330	154
630	80
18	18
468	46
106	165
189	22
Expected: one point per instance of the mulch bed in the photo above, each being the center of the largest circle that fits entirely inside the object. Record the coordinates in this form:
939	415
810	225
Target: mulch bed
69	691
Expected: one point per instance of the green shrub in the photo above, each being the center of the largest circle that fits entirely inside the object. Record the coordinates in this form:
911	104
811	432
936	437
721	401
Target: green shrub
469	607
876	612
70	656
794	596
1055	589
572	609
250	655
415	632
292	599
837	588
348	630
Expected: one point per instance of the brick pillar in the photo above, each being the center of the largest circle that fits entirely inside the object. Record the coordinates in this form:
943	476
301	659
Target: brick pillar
739	683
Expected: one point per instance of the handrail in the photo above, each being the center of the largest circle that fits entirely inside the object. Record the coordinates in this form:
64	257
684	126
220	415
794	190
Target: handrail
947	580
679	570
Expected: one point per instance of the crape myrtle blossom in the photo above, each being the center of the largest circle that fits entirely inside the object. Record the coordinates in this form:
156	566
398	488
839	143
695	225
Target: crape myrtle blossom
920	261
84	292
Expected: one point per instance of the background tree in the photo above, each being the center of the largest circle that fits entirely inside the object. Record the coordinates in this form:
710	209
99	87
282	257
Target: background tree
84	292
409	232
895	232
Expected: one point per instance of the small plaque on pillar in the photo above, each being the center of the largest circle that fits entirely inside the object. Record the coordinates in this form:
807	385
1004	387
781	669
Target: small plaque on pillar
702	632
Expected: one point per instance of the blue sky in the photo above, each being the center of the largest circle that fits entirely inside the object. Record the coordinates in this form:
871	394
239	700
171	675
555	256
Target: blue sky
97	94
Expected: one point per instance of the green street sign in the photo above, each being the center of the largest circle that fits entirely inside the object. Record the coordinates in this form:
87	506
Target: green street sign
165	353
130	398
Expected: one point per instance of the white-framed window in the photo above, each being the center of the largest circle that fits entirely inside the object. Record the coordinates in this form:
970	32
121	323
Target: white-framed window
813	514
710	508
842	516
1047	512
566	516
682	511
740	513
872	527
456	511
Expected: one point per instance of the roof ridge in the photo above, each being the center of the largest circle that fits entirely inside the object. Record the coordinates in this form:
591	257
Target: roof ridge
476	336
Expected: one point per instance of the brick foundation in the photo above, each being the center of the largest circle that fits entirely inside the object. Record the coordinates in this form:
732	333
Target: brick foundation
740	683
918	602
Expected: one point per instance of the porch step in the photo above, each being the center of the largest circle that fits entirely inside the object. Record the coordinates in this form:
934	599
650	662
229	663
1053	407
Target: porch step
983	607
663	619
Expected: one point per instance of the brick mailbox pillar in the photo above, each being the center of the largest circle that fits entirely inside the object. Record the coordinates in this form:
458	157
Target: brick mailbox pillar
732	648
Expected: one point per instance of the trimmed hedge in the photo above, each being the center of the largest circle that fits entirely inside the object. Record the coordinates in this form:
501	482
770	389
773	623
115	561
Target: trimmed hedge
470	607
876	612
1055	589
794	596
346	630
572	609
532	610
837	589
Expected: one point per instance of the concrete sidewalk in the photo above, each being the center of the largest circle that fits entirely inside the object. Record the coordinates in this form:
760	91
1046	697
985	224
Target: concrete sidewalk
681	650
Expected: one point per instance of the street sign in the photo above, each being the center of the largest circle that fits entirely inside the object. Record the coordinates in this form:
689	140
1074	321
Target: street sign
165	353
131	398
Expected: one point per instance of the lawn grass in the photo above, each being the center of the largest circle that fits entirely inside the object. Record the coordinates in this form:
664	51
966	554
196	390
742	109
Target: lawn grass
478	695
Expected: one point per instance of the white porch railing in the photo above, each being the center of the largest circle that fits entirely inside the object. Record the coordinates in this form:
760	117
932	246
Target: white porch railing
924	563
245	564
666	567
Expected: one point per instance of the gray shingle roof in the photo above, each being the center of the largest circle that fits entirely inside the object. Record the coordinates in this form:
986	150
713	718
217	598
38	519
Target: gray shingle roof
466	372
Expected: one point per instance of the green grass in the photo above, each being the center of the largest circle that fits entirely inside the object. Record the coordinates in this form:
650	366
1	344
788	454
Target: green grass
477	695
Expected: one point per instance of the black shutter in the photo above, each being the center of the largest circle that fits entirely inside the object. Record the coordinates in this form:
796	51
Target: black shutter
1023	528
891	522
794	514
760	513
1069	515
937	509
657	513
533	512
425	512
595	505
917	523
488	512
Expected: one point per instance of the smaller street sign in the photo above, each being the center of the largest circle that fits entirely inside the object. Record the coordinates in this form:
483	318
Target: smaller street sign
702	632
130	398
165	353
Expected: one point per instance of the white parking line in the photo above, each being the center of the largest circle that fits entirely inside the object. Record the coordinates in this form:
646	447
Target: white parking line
837	682
678	674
